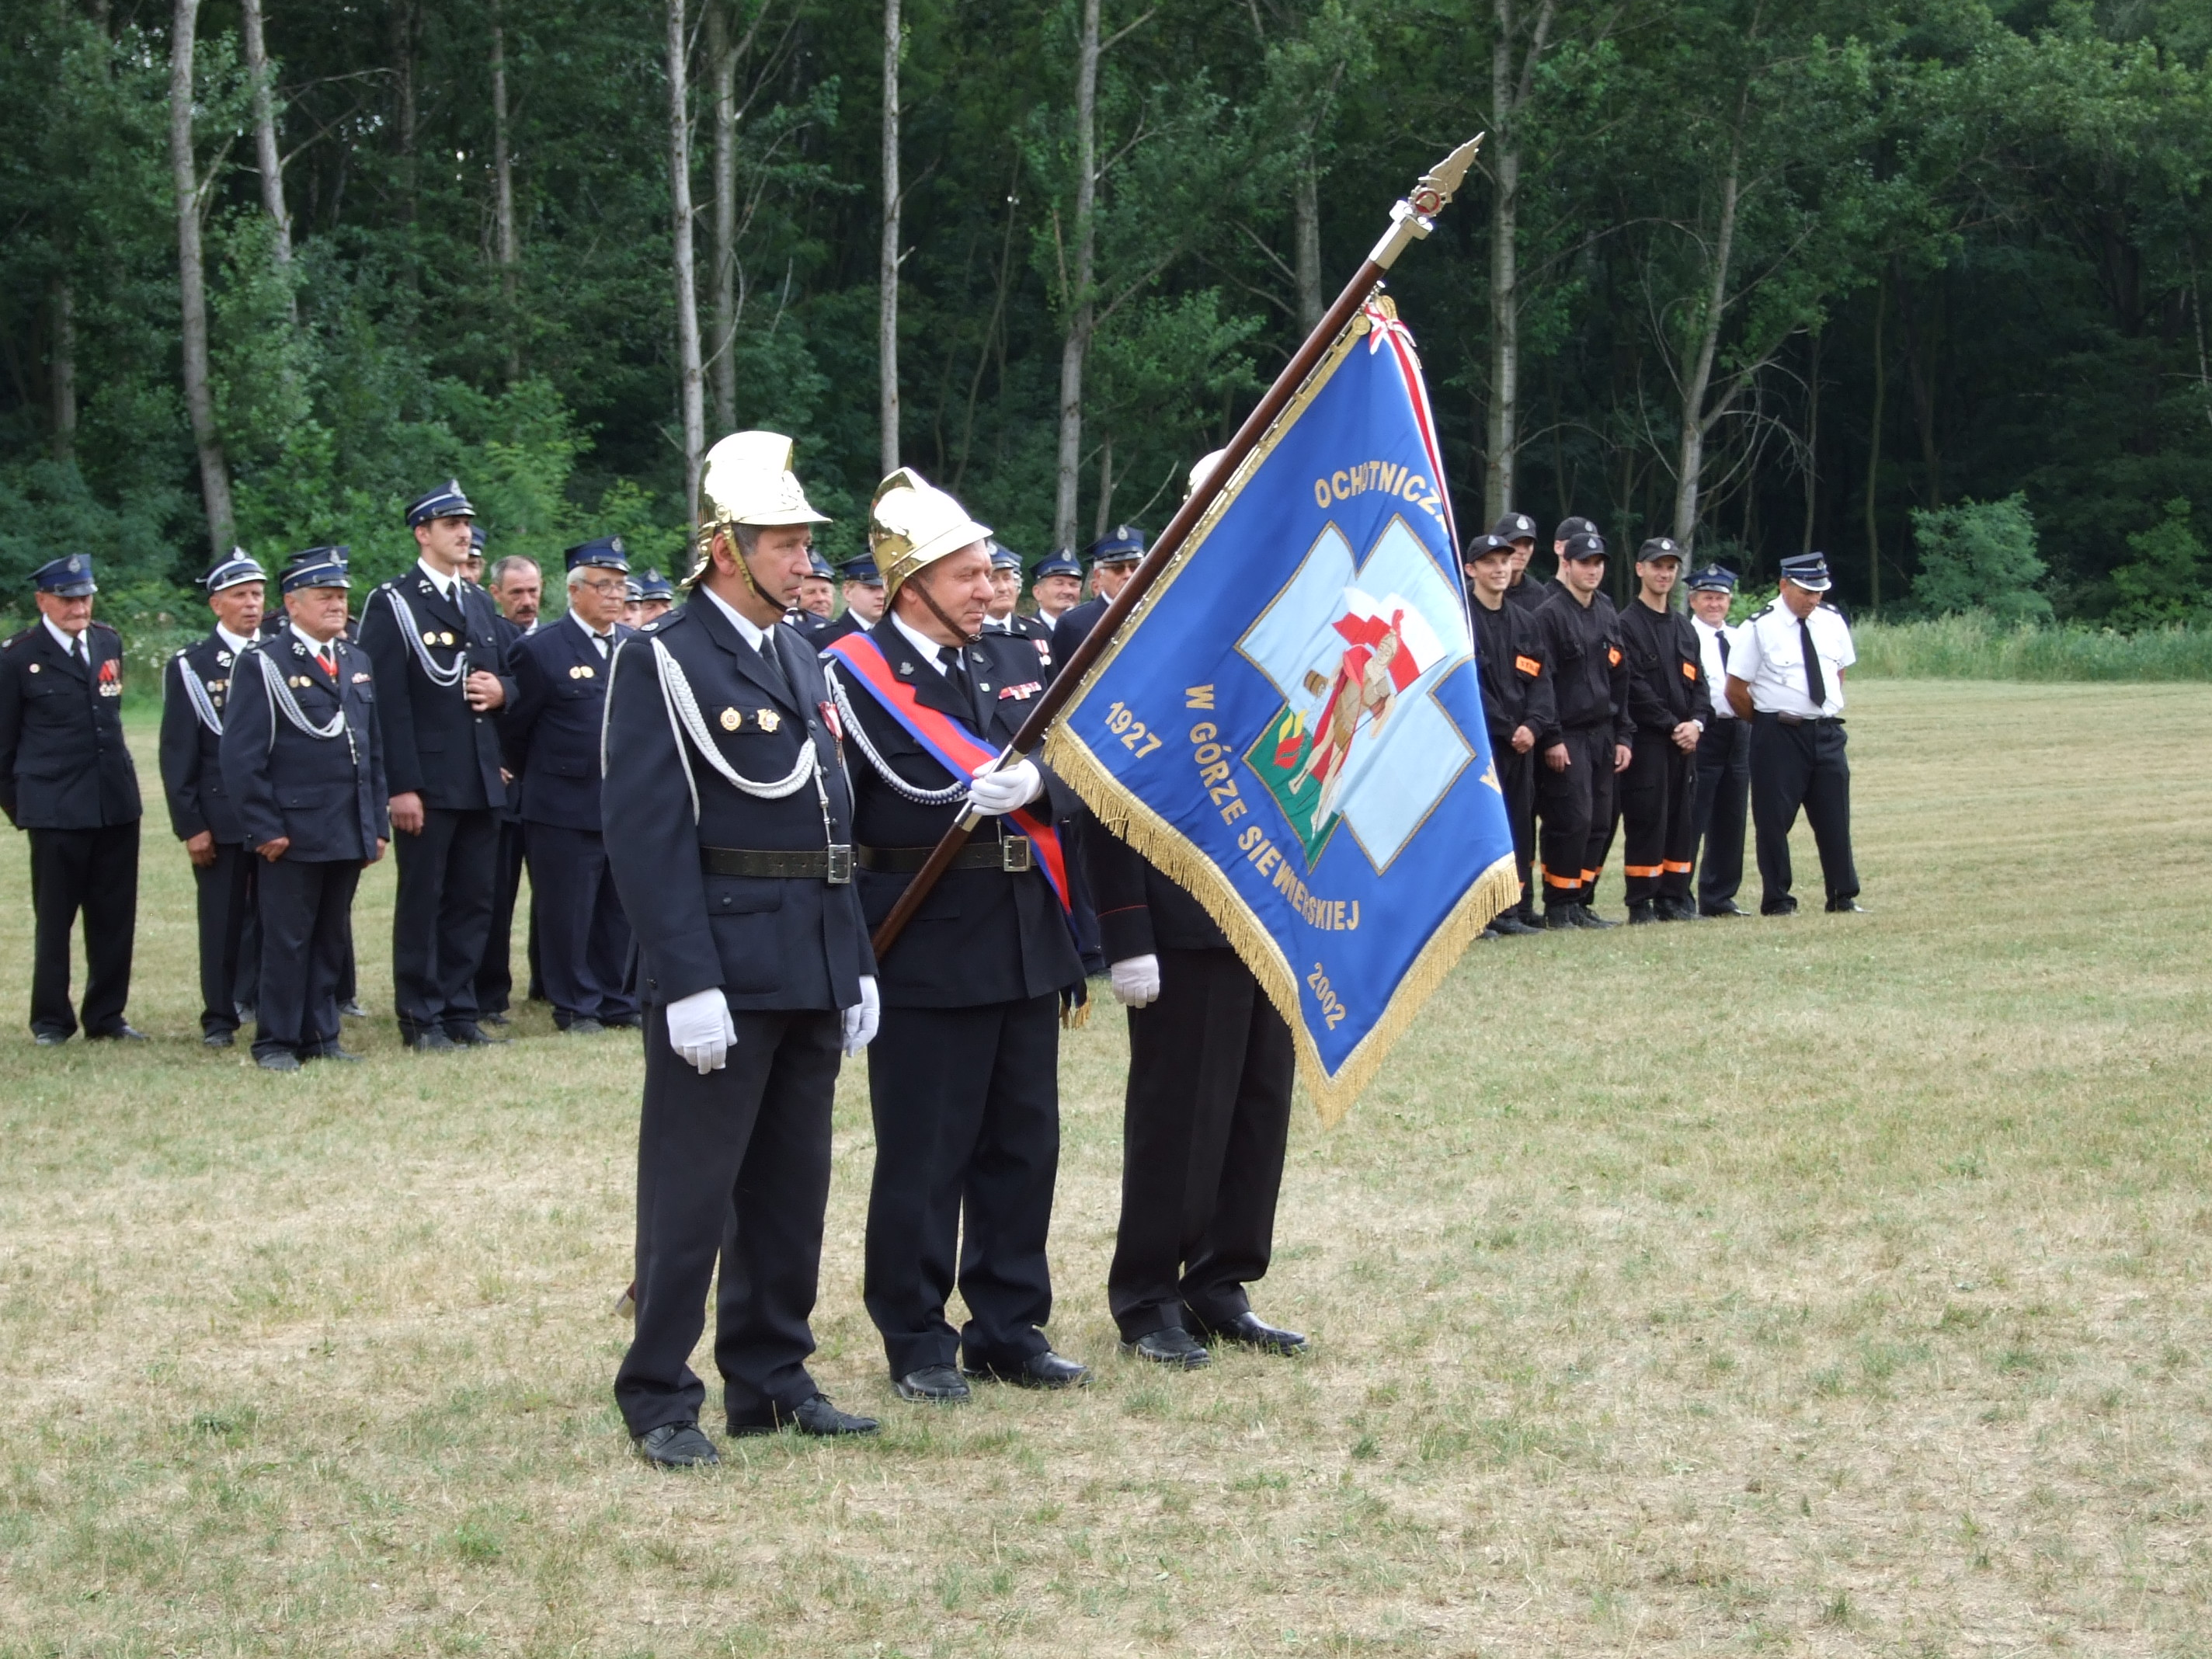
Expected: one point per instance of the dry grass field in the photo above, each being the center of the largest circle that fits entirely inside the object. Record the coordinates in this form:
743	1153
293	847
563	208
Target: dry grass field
1833	1285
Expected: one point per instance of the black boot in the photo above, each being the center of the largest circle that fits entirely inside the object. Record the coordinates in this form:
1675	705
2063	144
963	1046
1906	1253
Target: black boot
1641	911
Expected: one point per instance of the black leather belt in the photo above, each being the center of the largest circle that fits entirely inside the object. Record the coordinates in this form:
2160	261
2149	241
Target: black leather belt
1803	720
1012	856
831	864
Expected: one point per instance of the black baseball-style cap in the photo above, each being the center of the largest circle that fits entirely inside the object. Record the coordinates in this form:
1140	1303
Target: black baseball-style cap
1585	544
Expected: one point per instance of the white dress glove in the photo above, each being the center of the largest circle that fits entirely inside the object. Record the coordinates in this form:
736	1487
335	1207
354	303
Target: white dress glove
863	1016
1136	981
701	1030
993	793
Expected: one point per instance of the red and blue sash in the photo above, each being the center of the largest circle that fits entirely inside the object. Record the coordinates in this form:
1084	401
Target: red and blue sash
949	741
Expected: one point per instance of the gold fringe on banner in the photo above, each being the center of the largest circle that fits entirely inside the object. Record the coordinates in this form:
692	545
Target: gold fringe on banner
1177	858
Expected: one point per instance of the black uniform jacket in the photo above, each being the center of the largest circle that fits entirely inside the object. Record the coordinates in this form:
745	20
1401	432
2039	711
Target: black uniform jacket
551	730
327	793
1589	667
982	935
1666	669
1073	627
1530	592
1141	912
64	764
1516	678
191	755
1036	631
435	745
768	942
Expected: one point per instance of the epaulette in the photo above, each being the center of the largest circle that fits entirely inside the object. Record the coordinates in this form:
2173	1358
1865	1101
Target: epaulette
103	627
178	654
18	639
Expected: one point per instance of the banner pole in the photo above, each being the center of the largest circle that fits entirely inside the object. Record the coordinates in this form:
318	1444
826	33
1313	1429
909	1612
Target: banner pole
1412	218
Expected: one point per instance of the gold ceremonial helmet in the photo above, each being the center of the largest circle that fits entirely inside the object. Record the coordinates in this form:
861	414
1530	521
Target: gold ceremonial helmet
747	480
912	523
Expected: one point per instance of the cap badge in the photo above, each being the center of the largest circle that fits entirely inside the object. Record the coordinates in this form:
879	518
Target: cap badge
768	721
76	564
731	720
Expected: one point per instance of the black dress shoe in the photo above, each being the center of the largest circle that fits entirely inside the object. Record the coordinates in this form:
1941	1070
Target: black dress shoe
583	1025
1172	1346
336	1052
1249	1330
622	1021
50	1039
1039	1370
432	1041
935	1385
278	1060
1679	910
217	1040
1642	911
812	1416
471	1035
1559	918
354	1008
676	1446
493	1017
1725	907
1583	916
1782	908
1508	924
1846	907
124	1033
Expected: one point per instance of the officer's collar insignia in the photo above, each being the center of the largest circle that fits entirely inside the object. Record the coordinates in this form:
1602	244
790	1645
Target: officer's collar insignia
906	668
222	657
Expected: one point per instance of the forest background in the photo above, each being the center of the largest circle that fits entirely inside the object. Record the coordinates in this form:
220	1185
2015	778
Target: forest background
1917	283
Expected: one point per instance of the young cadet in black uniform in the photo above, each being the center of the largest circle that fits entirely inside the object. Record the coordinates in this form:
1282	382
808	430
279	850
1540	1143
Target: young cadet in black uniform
964	1082
1588	740
1518	532
551	732
1517	705
195	690
303	760
1670	705
1723	752
440	652
731	850
66	777
1786	676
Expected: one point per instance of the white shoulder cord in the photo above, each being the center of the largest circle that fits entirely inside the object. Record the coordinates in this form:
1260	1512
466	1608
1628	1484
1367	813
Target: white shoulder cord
438	676
957	791
281	697
684	720
196	693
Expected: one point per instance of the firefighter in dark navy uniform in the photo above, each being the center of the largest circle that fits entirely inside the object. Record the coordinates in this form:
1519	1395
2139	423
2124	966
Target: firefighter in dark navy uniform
67	779
964	1080
440	651
1005	616
729	827
1112	557
1670	705
814	617
552	734
195	688
303	758
1056	584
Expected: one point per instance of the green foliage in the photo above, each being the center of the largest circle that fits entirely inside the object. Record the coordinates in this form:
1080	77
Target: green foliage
1973	646
2164	583
1979	555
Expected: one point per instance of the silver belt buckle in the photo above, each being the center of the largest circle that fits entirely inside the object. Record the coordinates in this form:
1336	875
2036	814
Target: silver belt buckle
1015	856
839	870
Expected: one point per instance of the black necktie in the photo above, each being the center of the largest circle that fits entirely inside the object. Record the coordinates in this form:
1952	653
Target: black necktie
774	668
1721	634
76	649
1816	687
956	674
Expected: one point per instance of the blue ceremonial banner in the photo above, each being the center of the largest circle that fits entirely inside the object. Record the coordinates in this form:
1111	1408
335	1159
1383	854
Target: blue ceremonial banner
1291	723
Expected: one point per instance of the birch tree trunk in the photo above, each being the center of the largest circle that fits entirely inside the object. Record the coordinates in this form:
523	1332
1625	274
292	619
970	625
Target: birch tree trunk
888	264
61	369
1511	84
184	180
269	159
1697	419
690	389
1306	216
721	357
1076	346
502	174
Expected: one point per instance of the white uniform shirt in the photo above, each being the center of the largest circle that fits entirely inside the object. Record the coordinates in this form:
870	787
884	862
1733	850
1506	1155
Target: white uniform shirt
1716	672
1768	654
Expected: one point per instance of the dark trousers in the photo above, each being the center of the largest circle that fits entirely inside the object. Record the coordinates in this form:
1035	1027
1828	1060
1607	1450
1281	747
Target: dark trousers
226	898
1724	792
585	937
1205	1123
1577	808
1082	914
95	871
966	1103
735	1164
307	909
1659	818
496	978
442	916
1794	766
1516	782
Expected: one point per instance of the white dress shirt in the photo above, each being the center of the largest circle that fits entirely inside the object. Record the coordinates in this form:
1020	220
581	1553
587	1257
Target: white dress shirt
920	641
443	581
1716	672
1768	654
315	647
67	641
606	641
234	642
751	632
